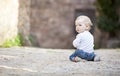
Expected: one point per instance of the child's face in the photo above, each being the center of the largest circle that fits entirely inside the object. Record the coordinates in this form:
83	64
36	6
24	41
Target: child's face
80	28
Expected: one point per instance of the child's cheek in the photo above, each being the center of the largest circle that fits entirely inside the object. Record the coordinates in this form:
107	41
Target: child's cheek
82	29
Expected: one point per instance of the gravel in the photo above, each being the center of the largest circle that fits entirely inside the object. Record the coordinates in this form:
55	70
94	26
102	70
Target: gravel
28	61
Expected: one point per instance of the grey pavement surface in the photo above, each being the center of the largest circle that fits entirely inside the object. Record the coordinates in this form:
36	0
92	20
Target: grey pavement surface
28	61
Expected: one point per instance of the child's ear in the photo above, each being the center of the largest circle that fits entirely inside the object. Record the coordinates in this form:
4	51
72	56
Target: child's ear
87	27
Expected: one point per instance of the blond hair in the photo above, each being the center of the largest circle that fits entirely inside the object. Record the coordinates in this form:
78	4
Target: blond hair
83	20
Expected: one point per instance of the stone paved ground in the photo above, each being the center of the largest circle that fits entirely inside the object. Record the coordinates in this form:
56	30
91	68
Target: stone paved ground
54	62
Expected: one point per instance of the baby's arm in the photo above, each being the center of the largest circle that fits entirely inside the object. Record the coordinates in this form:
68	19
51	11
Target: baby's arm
76	42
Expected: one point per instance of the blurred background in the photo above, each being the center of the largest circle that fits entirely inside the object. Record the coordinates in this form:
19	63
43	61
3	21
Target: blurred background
50	23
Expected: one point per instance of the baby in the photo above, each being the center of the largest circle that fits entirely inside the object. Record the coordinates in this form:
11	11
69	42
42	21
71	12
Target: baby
84	41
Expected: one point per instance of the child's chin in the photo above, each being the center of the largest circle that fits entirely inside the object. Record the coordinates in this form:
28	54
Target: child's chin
79	32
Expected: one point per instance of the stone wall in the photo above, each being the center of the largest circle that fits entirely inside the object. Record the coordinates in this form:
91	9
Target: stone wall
24	21
48	23
8	19
52	21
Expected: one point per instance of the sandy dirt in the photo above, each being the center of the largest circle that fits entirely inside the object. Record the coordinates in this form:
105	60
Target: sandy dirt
27	61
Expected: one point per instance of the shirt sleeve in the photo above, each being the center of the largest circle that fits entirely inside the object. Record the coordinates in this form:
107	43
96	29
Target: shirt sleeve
77	40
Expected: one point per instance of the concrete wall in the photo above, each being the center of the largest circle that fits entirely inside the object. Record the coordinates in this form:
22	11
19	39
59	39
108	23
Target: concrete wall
8	19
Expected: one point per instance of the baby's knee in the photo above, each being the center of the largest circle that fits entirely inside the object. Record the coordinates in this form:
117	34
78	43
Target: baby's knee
71	58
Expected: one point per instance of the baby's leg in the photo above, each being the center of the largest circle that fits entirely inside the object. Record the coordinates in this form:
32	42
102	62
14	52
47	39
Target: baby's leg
85	55
72	57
